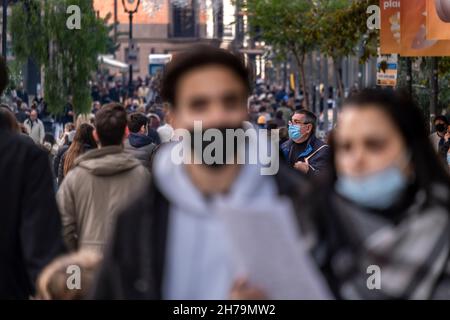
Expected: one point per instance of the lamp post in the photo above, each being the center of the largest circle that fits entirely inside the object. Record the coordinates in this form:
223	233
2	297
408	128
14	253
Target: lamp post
130	7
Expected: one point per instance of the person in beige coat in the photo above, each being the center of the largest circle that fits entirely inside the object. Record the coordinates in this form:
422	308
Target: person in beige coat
100	184
35	128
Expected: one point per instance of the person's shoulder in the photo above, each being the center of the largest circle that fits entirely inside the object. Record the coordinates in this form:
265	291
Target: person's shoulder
318	143
286	144
23	142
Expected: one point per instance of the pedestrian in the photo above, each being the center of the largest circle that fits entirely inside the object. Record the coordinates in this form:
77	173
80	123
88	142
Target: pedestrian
280	123
30	226
35	127
440	138
171	243
57	163
153	125
83	141
303	150
101	182
385	205
139	144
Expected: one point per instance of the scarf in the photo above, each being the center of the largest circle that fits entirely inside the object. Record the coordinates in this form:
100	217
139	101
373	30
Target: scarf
412	255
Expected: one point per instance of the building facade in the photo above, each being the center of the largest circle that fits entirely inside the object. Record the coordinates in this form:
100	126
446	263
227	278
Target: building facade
162	27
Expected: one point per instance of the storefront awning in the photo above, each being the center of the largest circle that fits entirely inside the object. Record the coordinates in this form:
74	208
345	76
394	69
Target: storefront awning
110	62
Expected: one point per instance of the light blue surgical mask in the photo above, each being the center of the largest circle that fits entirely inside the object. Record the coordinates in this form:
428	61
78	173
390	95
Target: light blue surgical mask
379	190
448	158
294	132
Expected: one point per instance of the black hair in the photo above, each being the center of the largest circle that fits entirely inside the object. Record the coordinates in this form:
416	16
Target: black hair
279	114
110	124
409	121
197	57
441	118
310	118
49	138
136	121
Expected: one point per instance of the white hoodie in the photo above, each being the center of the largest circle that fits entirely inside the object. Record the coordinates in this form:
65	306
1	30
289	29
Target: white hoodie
199	259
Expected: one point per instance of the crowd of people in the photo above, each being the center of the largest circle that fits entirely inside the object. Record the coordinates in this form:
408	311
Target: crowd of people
105	194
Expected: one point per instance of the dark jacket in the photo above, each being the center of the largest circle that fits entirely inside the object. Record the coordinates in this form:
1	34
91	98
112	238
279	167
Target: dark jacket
443	150
57	160
141	147
30	230
133	266
317	153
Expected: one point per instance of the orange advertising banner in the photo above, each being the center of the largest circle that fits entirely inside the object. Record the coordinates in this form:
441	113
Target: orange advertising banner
390	26
414	42
438	19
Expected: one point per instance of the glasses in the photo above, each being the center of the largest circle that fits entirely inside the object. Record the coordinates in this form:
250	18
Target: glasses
298	123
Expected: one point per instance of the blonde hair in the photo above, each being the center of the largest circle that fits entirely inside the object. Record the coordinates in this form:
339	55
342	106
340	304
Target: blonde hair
52	282
85	118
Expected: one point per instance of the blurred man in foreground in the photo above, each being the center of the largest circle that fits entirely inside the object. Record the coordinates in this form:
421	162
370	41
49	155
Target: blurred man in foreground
30	227
175	242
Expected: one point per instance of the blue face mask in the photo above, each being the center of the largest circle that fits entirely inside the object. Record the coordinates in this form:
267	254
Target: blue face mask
376	191
448	158
294	132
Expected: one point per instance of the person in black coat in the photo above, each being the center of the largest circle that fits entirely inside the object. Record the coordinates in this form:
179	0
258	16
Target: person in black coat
30	230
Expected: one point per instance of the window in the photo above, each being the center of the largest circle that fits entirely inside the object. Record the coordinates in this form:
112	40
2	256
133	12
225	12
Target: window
183	20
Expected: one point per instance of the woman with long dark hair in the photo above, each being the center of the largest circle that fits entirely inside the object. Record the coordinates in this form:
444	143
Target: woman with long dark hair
381	228
82	142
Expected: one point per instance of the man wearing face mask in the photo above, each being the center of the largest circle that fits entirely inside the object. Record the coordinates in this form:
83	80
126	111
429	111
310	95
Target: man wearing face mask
303	150
438	138
173	243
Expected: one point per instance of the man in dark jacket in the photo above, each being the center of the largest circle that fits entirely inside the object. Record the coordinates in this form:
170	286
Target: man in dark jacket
30	230
303	151
175	241
139	144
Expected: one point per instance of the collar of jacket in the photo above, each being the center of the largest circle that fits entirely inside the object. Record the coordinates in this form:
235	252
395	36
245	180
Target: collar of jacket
308	150
98	153
138	140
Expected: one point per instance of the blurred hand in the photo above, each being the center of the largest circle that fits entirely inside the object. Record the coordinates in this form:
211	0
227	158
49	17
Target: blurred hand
302	166
242	290
447	136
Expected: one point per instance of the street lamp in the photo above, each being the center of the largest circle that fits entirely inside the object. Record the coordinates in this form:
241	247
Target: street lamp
131	7
151	7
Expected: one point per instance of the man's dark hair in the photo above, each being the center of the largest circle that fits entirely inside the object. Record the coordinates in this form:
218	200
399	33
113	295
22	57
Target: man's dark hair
310	118
110	124
441	118
198	57
4	75
279	114
136	121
